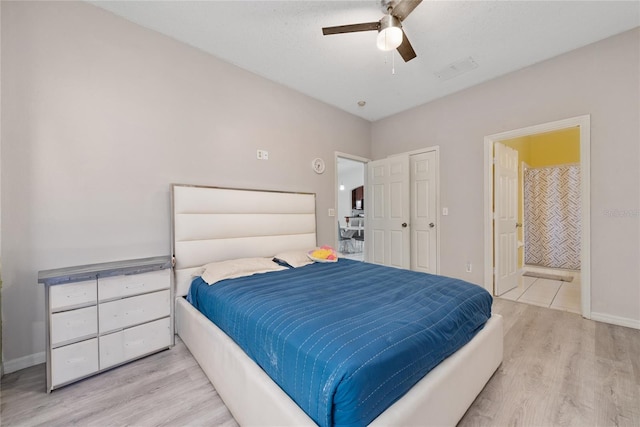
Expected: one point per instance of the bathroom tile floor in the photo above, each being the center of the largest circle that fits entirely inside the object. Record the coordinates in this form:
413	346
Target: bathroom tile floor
554	294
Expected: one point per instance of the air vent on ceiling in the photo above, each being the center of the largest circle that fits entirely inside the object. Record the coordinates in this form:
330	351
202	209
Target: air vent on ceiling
457	68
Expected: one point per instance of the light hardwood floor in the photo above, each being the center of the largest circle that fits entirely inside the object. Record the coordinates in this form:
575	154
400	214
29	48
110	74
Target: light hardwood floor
558	369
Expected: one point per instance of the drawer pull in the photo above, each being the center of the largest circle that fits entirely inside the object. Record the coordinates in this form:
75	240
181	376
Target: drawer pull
135	286
76	322
129	313
134	343
77	295
75	360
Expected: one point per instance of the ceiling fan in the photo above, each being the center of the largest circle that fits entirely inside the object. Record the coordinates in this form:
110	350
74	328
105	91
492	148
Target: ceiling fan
390	33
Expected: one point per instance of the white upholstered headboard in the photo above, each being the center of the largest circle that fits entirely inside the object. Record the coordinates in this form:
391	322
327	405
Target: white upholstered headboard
211	224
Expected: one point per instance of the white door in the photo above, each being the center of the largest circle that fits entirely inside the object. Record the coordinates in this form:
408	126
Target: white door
505	218
424	212
387	210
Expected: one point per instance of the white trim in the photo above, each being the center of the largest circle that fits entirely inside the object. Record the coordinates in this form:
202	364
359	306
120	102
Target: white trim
435	148
616	320
23	362
351	157
584	124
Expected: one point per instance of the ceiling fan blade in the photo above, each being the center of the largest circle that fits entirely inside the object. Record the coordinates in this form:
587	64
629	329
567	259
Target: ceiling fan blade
404	8
353	28
405	49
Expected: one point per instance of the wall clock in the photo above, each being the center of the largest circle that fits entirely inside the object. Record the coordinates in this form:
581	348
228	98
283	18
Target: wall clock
318	165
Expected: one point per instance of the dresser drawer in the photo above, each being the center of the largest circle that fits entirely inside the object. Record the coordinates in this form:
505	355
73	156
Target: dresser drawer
135	284
72	295
74	361
133	342
131	311
71	325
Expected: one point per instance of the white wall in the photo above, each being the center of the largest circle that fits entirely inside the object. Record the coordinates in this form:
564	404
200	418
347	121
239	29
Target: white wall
100	116
602	80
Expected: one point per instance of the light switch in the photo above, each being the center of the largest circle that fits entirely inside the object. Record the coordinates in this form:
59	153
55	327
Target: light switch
445	211
332	212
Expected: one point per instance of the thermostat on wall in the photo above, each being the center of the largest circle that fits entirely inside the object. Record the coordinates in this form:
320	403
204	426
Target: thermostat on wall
318	165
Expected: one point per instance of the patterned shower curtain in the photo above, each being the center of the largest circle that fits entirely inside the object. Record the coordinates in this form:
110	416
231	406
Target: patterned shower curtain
552	216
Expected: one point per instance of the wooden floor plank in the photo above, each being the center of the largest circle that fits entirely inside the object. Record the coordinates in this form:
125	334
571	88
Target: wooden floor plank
558	370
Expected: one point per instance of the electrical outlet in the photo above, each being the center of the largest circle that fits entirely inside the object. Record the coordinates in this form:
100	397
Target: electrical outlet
332	212
259	155
468	267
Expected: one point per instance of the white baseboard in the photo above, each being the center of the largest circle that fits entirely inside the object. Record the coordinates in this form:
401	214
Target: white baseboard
616	320
14	365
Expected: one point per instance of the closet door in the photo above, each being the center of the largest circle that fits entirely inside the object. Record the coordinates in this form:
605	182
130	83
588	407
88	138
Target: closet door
388	212
424	213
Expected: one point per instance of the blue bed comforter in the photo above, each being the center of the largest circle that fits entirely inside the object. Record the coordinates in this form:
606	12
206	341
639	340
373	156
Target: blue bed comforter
345	340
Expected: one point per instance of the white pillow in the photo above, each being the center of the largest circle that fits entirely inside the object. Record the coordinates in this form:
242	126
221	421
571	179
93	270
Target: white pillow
295	258
217	271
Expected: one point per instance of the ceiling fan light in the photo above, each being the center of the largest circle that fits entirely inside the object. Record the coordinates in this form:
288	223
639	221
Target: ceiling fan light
390	35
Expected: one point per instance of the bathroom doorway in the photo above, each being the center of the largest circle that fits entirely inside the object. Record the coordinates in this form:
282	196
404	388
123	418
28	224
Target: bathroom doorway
548	219
544	259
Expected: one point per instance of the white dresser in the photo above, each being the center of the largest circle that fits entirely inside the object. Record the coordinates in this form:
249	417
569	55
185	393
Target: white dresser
103	315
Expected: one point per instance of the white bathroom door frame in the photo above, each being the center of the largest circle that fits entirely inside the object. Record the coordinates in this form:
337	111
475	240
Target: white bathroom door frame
584	125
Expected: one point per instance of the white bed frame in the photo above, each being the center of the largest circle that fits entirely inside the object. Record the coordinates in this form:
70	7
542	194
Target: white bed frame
214	224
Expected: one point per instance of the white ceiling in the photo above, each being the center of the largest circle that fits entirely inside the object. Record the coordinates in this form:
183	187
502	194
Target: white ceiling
283	41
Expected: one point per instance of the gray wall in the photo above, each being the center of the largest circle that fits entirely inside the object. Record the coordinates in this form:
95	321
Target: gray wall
100	116
1	365
602	80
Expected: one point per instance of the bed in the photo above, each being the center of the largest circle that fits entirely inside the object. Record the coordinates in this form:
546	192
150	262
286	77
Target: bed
216	224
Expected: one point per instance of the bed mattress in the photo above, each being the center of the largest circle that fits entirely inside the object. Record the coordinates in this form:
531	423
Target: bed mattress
345	340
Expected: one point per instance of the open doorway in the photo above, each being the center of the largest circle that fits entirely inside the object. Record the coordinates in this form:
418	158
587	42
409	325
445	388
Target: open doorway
548	219
350	211
548	229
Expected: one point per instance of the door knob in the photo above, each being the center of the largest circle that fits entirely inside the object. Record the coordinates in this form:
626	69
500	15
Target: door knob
431	225
404	225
